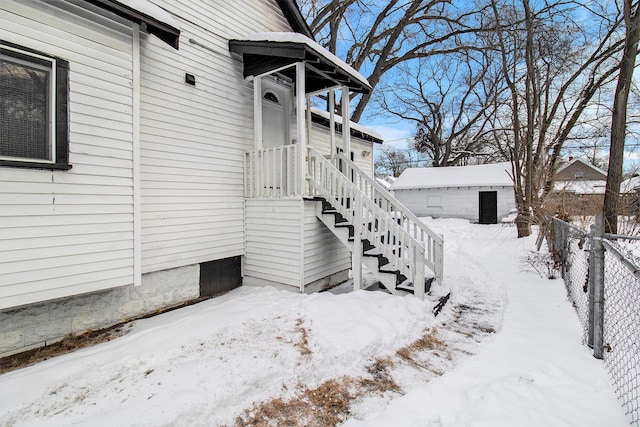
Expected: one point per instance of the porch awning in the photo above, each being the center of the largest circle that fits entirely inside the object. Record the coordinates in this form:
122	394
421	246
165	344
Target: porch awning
265	52
158	22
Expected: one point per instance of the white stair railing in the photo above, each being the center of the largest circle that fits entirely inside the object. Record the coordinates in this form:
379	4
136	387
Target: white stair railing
392	238
271	172
431	241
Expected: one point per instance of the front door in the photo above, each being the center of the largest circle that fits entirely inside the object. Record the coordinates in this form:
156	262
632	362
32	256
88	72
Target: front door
276	113
488	207
276	132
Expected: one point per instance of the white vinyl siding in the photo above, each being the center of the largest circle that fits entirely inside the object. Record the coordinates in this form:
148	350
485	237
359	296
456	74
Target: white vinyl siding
193	138
324	254
274	240
453	202
320	140
70	232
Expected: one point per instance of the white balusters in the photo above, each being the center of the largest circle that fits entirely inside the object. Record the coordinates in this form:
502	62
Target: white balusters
271	172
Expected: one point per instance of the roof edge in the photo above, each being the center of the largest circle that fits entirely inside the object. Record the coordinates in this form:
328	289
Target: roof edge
294	16
166	32
359	132
584	162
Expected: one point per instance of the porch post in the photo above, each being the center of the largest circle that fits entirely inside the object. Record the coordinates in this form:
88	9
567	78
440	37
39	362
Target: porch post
332	125
346	123
301	125
257	112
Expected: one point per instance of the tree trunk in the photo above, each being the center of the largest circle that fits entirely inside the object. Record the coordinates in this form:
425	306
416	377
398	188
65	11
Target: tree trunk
619	121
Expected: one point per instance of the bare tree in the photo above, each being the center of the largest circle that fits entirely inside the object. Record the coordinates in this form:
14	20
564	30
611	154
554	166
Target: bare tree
452	100
553	60
393	161
631	13
378	36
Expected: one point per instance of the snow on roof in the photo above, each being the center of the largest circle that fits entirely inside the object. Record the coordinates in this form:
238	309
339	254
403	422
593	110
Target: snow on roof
354	125
580	187
629	185
311	44
383	183
496	174
151	10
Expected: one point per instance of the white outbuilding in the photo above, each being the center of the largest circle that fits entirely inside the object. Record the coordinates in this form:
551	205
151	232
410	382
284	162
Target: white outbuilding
479	193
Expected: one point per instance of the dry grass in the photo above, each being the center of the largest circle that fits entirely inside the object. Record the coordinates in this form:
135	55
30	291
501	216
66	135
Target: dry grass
68	344
323	406
429	342
381	380
303	345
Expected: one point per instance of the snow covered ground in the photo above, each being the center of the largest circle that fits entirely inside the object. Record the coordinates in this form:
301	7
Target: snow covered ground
505	351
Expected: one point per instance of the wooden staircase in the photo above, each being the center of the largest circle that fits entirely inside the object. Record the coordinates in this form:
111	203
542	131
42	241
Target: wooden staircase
380	266
380	232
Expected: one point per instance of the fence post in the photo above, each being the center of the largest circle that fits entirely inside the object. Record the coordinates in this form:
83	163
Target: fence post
591	284
596	296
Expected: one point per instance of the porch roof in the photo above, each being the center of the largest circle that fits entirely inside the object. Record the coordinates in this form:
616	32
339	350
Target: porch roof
266	52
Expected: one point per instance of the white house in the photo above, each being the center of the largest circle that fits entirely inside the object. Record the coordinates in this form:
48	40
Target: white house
479	193
153	152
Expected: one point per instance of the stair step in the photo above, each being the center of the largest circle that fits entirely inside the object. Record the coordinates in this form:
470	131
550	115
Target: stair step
407	286
388	274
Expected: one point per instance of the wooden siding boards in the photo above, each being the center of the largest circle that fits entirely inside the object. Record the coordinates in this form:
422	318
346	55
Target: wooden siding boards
321	141
193	138
273	240
324	254
69	232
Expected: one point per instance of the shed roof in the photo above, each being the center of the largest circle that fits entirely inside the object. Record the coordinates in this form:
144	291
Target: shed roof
492	175
266	52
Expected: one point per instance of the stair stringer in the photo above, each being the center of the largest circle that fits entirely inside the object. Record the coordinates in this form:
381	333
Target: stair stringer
387	273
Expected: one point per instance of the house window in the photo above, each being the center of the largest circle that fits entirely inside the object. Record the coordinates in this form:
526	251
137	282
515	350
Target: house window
270	96
33	109
579	175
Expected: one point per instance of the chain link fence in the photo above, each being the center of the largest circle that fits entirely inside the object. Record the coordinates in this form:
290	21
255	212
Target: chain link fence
622	321
571	247
605	268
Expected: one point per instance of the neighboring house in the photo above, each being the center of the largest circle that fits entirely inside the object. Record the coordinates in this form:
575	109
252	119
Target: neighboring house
153	152
479	193
578	169
578	189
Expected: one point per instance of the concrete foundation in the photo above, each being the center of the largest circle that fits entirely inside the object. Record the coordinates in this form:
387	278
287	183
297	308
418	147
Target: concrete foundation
27	327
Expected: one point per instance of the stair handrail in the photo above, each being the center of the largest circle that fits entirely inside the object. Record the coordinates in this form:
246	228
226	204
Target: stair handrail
393	240
420	231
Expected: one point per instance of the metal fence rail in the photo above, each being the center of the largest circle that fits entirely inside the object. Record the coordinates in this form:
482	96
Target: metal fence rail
602	277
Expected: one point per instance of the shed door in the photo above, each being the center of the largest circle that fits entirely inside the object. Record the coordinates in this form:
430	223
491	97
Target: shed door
488	207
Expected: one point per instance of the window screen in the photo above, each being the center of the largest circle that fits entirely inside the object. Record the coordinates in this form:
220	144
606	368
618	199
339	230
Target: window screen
25	109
